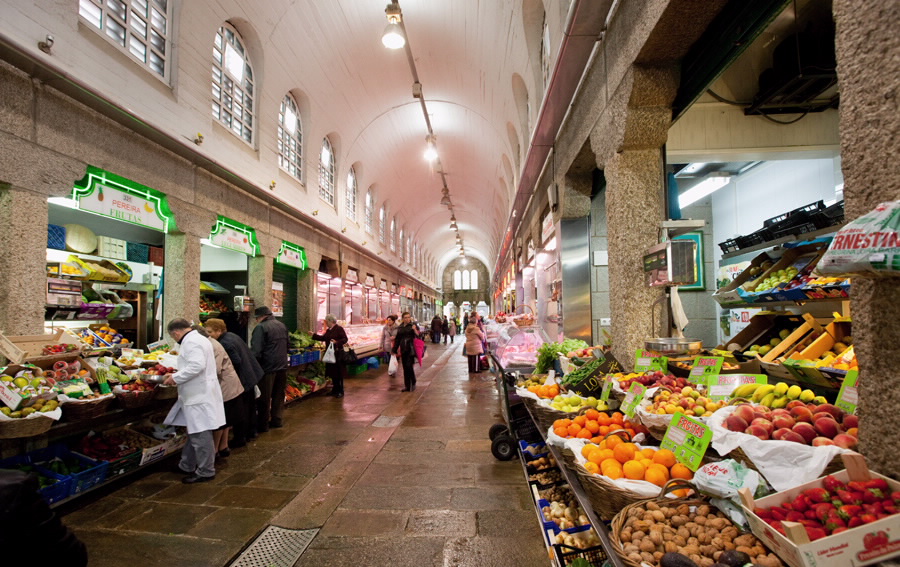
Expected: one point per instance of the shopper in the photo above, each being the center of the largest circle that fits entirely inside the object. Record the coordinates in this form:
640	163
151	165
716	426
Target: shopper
445	328
335	335
270	347
249	372
451	329
436	325
465	324
231	396
388	332
474	345
405	350
199	406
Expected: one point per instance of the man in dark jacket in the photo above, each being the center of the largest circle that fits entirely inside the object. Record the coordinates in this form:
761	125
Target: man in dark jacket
269	345
436	325
250	373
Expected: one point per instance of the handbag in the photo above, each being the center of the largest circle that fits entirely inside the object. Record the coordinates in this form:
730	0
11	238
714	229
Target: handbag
328	357
346	355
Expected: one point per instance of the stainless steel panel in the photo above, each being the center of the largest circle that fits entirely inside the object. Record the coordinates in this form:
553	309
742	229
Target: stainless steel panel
576	278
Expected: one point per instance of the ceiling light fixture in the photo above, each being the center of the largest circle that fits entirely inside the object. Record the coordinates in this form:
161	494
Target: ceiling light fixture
393	37
703	189
430	149
445	200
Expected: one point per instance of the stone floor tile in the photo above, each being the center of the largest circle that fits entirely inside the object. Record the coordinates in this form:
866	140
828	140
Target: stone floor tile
365	523
252	497
233	524
496	523
494	552
302	460
372	552
493	498
167	518
280	481
450	523
187	493
129	510
112	548
397	498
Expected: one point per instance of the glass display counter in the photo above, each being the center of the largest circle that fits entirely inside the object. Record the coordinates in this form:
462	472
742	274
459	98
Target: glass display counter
517	346
364	339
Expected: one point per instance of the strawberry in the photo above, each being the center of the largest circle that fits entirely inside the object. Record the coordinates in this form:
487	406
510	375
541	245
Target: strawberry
874	508
833	522
878	484
895	496
868	518
889	508
817	495
810	523
823	510
839	530
778	513
831	483
801	503
847	497
795	516
849	511
764	513
854	522
815	533
811	514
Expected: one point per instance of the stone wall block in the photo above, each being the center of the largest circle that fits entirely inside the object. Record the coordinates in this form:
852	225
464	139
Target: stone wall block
23	244
182	277
16	102
49	173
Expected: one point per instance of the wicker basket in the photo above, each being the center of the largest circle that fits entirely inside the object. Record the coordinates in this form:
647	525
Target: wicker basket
618	521
16	428
86	410
134	399
166	392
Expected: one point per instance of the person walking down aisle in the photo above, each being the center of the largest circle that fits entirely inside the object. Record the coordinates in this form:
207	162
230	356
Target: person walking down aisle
337	371
436	325
249	372
445	328
451	328
474	345
405	351
270	347
388	332
231	396
199	406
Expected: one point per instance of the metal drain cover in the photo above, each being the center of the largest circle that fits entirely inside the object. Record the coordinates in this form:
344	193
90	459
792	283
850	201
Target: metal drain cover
385	421
275	547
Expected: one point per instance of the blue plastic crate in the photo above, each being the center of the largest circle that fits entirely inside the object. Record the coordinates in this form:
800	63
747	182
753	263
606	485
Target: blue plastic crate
136	252
93	473
56	237
311	356
52	493
372	363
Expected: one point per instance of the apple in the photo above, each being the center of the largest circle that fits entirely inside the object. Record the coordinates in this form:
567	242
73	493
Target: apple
765	424
745	412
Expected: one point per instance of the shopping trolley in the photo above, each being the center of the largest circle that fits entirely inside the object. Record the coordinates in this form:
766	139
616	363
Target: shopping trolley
518	424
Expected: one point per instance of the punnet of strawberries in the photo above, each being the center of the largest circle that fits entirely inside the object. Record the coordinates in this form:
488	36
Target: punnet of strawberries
835	507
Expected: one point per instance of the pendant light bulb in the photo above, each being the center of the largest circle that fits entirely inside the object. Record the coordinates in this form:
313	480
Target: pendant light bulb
393	37
430	149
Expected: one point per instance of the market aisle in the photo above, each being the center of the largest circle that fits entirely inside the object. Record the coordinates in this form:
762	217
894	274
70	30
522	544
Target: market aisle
390	478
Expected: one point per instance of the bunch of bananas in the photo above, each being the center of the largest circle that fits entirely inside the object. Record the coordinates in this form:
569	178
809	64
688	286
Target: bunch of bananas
776	395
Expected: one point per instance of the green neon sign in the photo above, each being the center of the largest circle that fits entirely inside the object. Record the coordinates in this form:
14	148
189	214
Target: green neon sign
232	235
110	195
292	255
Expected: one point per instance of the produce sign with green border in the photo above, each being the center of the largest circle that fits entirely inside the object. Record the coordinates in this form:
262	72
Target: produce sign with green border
648	361
704	369
292	255
848	397
110	195
633	398
688	439
722	385
231	234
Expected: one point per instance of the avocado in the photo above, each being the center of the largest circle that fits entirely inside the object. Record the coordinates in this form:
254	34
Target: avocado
676	560
733	558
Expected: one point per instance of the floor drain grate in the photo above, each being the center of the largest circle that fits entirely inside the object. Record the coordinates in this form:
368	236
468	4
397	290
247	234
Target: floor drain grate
385	421
275	547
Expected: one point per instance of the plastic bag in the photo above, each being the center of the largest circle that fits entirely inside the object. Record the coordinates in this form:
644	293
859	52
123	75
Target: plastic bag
329	357
392	366
869	245
724	478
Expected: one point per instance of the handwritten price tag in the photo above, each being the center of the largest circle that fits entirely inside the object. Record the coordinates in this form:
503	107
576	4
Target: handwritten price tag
648	361
688	439
633	399
705	367
608	382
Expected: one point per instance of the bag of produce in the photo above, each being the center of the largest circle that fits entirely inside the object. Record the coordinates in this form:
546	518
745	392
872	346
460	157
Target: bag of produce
869	245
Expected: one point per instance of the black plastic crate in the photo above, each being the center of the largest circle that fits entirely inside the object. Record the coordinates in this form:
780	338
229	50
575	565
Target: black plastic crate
798	212
832	216
760	236
730	245
797	229
565	555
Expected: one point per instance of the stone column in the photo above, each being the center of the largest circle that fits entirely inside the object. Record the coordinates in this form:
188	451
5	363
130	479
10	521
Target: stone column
23	256
181	275
306	300
259	279
868	51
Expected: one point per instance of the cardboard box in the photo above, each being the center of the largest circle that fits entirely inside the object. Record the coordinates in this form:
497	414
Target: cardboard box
856	547
732	294
29	348
801	257
762	328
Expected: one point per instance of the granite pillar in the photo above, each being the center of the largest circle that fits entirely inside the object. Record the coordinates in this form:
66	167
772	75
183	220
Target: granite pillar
259	278
23	256
306	300
181	291
868	52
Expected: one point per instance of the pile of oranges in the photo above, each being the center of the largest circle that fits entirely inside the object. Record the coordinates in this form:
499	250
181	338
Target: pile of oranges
594	425
616	458
548	392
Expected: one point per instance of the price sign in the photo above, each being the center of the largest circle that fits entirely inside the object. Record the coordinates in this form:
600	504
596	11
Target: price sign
722	385
705	369
633	399
648	361
608	382
848	397
688	439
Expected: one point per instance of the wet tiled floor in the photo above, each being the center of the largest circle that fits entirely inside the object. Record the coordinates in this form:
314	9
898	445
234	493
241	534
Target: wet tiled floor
416	487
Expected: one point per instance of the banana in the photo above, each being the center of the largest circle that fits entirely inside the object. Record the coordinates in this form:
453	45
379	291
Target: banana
779	402
780	389
767	400
794	392
745	390
763	391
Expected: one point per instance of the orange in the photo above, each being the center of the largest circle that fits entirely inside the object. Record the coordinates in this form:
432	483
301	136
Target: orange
592	414
645	462
633	470
560	423
615	427
603	430
561	431
681	492
574	429
655	476
580	420
680	471
614	473
588	449
624	452
610	463
601	455
583	434
662	470
648	452
664	457
592	426
617	417
592	467
596	439
612	441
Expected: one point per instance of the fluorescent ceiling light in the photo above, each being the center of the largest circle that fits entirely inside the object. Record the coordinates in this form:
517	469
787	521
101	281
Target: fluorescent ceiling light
703	189
63	202
430	150
692	168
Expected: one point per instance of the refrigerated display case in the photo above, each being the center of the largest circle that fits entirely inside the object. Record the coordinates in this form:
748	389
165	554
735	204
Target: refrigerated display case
365	340
517	346
353	302
373	313
329	297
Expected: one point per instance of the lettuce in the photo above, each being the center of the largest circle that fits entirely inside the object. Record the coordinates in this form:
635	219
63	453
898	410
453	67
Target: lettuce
548	352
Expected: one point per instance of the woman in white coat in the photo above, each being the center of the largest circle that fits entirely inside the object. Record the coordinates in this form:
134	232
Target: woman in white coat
199	406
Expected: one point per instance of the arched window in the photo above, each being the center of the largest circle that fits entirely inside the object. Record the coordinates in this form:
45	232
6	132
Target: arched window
457	279
290	137
141	30
352	195
473	280
369	212
402	250
326	172
409	248
545	52
465	279
394	234
381	220
232	84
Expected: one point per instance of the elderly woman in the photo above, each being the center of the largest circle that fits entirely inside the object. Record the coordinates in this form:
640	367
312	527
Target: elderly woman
474	345
388	332
231	394
334	334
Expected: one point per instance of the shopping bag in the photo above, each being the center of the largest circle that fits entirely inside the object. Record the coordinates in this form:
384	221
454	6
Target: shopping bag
347	355
392	366
328	357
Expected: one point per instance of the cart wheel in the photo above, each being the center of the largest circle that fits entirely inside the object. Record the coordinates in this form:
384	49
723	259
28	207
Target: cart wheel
497	429
503	447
